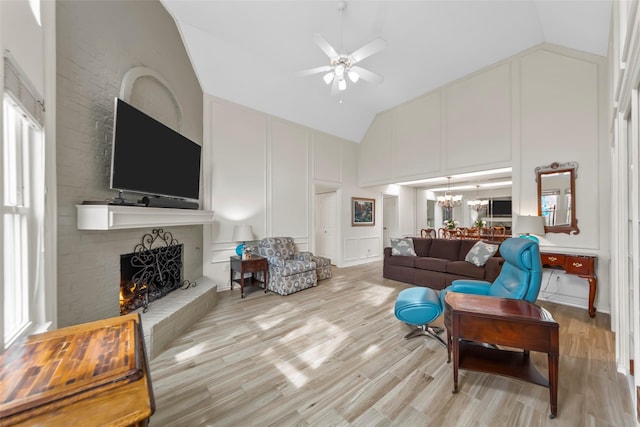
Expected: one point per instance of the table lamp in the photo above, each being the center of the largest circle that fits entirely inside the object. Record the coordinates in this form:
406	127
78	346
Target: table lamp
529	225
242	233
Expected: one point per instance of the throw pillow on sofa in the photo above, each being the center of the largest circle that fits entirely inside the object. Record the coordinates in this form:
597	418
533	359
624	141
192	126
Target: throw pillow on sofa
480	253
402	247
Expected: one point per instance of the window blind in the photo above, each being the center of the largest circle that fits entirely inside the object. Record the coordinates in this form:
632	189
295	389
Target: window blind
21	90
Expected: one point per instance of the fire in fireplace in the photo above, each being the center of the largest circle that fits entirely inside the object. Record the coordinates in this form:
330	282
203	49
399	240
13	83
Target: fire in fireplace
151	271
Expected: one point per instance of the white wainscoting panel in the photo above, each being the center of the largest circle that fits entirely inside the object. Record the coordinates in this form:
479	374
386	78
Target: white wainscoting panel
327	158
361	248
417	125
289	179
479	119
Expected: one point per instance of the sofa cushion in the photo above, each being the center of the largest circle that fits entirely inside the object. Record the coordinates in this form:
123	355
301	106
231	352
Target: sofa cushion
465	247
402	247
445	248
421	246
480	253
464	268
403	261
433	264
292	267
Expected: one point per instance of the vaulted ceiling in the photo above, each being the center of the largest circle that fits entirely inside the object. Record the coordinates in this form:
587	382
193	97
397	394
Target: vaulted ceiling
249	52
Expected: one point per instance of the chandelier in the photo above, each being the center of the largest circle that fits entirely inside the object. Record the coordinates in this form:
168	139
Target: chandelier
478	204
449	200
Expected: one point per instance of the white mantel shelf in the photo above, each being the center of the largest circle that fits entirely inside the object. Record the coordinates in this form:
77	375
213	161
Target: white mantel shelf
113	217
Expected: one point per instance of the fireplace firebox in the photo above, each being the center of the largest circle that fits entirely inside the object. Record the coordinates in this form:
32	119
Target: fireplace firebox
151	271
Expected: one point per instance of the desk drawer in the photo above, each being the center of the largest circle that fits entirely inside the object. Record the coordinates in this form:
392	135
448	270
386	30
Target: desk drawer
577	265
552	259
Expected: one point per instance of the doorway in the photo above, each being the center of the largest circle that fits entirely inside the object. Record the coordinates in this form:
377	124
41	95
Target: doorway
389	219
326	229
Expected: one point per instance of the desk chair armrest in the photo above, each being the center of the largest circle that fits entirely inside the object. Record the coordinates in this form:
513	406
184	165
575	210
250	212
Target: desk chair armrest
477	287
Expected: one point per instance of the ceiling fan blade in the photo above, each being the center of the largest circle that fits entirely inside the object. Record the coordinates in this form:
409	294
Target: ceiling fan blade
367	50
325	46
312	71
367	75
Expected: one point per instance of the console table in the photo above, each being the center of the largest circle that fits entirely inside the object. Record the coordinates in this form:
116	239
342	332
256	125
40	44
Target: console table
501	321
583	266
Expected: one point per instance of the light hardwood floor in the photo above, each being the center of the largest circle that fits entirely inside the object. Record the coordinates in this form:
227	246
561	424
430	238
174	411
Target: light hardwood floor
334	355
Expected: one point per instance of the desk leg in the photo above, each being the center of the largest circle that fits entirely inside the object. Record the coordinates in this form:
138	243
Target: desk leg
456	360
231	277
553	384
266	280
592	295
242	284
448	347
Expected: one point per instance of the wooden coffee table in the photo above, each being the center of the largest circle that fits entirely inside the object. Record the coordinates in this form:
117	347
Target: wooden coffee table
474	319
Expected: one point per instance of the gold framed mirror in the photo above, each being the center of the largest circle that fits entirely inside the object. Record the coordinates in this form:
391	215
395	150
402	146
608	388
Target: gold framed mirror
556	197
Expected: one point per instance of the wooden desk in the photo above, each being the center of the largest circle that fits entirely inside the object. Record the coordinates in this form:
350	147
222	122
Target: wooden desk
501	321
90	374
583	266
253	265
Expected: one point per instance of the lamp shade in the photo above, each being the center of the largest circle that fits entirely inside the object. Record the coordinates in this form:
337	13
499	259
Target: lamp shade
242	233
529	225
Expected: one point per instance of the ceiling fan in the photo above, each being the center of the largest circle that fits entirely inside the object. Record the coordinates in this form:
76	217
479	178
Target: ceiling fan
342	65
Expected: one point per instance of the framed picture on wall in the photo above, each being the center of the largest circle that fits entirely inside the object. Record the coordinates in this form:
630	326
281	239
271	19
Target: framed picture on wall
363	211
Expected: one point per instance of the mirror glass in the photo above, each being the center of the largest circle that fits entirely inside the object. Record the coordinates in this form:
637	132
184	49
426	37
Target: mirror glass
556	197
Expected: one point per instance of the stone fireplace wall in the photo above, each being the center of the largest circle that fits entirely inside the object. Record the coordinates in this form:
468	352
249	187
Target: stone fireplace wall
97	43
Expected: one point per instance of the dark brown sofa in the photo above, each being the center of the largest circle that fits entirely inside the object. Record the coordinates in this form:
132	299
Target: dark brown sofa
438	262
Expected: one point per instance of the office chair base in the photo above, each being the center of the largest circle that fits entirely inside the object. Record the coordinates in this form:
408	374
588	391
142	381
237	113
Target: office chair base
429	331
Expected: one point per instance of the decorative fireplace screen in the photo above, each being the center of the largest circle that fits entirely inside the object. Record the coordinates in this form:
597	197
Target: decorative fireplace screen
151	271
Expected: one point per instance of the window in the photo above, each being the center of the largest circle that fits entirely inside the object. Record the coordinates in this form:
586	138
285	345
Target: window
22	218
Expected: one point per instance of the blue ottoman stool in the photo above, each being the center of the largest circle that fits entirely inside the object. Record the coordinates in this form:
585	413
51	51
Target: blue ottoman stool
420	306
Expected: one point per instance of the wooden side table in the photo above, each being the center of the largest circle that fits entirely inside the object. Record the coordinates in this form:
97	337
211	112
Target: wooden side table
583	266
507	322
253	265
94	373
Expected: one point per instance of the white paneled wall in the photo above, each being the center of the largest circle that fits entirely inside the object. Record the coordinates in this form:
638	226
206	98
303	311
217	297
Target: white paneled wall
289	174
418	127
541	106
264	172
478	119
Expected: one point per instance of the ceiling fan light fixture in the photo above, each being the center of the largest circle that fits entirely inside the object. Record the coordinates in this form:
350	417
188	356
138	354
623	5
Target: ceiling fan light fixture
341	62
328	78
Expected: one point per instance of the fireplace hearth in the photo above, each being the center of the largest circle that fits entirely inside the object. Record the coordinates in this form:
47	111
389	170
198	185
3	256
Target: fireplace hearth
151	271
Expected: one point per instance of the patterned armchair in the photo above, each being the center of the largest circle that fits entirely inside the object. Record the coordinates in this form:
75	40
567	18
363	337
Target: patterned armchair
289	270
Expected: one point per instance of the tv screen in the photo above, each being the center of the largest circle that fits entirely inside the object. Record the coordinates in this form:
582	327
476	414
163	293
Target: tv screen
151	158
500	208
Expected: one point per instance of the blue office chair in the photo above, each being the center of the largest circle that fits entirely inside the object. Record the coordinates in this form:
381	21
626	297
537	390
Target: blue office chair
520	277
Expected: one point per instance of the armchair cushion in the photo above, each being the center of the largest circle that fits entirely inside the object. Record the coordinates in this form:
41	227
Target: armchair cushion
303	256
291	267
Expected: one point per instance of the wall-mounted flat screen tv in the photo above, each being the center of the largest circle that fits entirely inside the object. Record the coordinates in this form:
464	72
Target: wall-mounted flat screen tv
500	208
152	159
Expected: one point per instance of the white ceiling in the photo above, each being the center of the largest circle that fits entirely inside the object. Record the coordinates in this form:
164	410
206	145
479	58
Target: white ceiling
249	52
